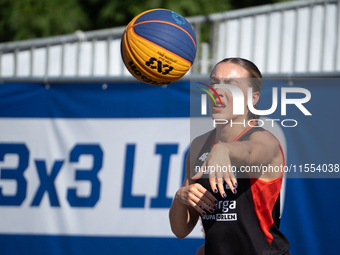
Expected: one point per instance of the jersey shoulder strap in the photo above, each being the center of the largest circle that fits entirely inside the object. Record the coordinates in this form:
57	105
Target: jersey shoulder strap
245	136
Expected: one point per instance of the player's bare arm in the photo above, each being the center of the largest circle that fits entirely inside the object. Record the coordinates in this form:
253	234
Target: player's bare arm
192	199
262	149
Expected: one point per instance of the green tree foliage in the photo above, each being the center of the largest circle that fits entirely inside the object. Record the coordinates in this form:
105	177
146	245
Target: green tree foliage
104	13
26	19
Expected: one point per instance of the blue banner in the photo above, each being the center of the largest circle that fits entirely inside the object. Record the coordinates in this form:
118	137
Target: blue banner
92	168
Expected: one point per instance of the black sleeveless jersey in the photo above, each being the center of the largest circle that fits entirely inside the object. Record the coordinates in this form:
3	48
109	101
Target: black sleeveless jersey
245	223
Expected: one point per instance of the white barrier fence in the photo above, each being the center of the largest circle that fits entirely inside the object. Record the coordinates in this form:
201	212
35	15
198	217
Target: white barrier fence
288	37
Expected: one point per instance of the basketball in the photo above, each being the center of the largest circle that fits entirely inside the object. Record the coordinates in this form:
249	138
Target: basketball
158	46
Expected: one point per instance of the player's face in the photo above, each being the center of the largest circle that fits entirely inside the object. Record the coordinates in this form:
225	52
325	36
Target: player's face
228	73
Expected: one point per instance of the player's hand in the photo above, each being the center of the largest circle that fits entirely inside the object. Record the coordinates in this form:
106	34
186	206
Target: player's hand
219	165
198	197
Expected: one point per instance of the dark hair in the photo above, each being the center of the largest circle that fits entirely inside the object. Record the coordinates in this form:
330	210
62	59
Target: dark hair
254	74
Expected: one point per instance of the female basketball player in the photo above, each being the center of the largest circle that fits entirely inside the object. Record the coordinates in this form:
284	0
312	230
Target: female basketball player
240	210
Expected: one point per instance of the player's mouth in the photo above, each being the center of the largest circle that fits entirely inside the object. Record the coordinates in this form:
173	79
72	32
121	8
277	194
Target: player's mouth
218	107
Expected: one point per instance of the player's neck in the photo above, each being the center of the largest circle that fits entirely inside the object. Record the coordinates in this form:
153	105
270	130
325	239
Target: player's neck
228	132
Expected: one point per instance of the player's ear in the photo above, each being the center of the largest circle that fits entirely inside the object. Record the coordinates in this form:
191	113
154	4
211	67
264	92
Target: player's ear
255	97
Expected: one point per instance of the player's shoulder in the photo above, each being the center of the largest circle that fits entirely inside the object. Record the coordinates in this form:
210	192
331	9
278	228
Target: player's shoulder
201	139
198	142
195	148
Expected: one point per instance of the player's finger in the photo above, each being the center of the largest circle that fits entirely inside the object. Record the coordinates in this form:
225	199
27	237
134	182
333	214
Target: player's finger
198	208
220	187
207	197
199	195
230	184
201	203
234	181
198	175
219	180
212	181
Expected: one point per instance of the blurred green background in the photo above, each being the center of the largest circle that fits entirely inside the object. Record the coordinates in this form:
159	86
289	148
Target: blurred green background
28	19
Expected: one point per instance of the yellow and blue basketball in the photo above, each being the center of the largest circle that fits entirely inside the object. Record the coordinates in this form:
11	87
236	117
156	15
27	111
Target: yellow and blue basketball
158	46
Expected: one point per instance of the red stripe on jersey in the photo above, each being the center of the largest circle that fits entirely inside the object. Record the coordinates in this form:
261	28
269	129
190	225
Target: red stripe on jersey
252	123
265	195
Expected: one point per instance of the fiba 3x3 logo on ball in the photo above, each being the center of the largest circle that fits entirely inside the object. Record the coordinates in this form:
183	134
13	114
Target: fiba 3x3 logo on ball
158	46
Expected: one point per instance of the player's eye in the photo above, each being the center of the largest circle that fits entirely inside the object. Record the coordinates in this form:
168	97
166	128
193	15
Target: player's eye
213	82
